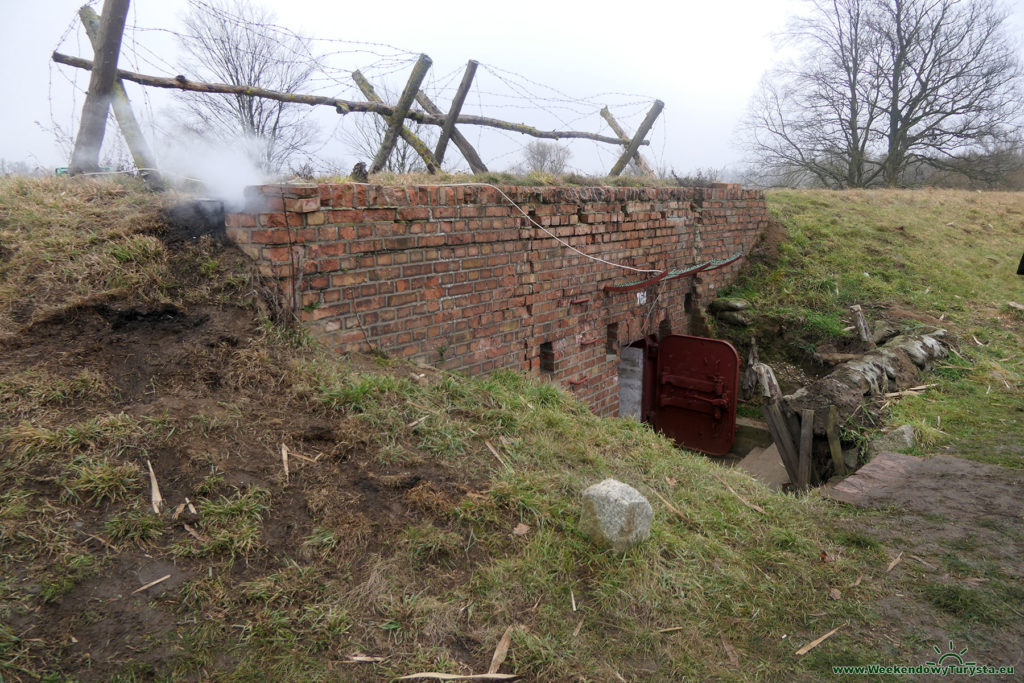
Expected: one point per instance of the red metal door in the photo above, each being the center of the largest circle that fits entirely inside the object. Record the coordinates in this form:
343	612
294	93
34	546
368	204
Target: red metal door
694	392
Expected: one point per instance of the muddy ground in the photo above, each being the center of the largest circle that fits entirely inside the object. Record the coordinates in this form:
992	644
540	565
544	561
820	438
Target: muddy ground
226	406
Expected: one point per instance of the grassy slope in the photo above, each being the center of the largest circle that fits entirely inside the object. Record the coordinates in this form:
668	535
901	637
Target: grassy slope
434	592
940	253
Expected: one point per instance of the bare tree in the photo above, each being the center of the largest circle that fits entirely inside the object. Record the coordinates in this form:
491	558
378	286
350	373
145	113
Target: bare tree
544	157
232	41
884	86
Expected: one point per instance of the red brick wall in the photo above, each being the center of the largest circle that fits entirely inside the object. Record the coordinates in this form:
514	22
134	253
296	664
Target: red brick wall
455	276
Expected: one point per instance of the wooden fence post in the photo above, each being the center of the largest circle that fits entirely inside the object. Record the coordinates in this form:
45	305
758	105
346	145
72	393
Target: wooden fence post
806	448
418	145
397	120
448	129
639	160
476	164
638	139
834	445
862	325
86	154
122	107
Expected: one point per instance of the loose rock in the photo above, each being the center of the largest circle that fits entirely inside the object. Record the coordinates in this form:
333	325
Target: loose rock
615	515
720	305
735	318
898	440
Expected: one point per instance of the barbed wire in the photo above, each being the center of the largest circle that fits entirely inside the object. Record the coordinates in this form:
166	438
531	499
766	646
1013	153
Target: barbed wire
495	88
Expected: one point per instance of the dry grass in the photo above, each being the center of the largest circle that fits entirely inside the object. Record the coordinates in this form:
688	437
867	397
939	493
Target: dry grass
65	241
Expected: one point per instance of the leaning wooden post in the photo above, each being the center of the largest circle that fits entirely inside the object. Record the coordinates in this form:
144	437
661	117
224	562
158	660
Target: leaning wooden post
453	112
122	106
835	447
397	120
783	439
639	160
806	448
861	325
86	155
638	139
476	164
418	145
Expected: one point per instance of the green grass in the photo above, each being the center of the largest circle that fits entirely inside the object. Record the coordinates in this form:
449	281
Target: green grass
138	527
941	253
230	525
398	539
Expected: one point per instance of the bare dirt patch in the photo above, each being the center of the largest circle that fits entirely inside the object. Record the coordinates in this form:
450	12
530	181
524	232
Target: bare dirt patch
955	524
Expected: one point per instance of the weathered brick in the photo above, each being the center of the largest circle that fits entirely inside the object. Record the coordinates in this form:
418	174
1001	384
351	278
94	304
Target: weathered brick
492	290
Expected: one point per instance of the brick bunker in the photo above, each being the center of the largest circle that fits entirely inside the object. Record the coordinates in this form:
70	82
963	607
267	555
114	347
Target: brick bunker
457	277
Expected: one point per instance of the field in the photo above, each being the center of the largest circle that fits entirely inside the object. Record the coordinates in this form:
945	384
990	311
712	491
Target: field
359	518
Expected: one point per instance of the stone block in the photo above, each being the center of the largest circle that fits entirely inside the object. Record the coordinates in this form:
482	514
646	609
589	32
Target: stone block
615	515
898	440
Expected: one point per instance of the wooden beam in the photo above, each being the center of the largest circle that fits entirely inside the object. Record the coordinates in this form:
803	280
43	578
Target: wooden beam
453	112
639	160
779	428
86	154
396	122
806	448
342	106
476	164
418	145
641	132
122	106
835	447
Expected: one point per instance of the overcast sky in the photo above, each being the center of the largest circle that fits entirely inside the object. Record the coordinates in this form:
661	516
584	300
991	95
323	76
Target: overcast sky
703	59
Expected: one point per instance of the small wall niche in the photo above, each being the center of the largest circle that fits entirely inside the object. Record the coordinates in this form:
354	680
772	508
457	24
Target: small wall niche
547	358
611	342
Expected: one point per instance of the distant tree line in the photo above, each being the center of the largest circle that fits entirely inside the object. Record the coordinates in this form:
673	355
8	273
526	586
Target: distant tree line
892	93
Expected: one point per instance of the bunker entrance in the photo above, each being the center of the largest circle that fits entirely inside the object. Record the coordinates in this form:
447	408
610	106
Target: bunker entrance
685	387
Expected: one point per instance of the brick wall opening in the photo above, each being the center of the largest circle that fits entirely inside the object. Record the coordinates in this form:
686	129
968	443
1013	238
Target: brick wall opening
547	358
611	341
631	381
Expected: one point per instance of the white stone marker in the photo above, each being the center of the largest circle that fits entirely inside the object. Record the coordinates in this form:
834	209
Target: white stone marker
615	514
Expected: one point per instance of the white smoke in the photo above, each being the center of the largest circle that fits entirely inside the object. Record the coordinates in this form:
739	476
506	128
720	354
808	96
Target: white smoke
222	170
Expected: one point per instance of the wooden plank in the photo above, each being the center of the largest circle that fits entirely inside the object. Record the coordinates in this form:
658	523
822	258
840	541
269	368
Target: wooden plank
448	129
750	373
397	119
639	160
415	142
86	155
861	324
779	428
834	445
476	164
806	447
641	133
342	106
122	106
